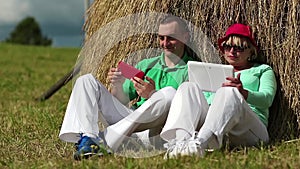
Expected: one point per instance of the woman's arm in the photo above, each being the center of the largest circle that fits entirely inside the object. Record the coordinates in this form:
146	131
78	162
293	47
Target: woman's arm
263	98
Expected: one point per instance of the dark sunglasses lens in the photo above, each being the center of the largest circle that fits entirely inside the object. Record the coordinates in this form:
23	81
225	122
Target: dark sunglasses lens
239	48
235	48
227	47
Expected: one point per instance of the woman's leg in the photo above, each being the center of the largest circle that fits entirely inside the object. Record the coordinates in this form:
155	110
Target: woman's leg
230	114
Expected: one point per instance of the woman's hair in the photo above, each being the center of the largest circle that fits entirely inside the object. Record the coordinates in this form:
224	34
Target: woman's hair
243	42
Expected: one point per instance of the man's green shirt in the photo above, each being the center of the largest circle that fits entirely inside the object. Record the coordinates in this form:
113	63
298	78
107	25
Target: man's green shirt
163	76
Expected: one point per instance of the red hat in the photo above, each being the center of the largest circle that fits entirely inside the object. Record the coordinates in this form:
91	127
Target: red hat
240	30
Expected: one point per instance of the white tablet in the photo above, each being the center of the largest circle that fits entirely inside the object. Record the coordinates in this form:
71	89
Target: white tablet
209	76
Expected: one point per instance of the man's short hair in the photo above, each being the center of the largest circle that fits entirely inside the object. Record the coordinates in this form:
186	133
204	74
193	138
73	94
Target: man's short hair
171	18
184	27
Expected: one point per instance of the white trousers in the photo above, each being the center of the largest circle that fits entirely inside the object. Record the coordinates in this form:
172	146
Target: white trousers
229	115
90	100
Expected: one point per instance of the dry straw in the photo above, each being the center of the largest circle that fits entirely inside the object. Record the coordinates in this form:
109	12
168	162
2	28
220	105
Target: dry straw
275	23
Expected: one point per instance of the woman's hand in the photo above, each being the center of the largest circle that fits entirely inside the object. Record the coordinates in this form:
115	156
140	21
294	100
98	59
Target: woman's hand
144	89
236	82
115	77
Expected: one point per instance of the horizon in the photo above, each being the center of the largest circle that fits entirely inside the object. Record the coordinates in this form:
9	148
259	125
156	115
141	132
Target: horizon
60	21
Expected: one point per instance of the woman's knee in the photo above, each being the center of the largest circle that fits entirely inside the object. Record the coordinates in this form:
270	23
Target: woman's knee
229	92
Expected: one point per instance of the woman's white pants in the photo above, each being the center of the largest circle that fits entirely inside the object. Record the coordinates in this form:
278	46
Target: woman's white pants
90	101
229	115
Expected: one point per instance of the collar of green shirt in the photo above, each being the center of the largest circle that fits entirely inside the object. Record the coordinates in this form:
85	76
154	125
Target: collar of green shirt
180	64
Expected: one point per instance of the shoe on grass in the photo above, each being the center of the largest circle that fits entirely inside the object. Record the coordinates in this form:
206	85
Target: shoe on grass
192	147
173	149
87	147
189	147
185	148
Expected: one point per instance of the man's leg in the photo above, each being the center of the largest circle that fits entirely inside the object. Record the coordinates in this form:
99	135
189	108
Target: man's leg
151	114
187	113
88	98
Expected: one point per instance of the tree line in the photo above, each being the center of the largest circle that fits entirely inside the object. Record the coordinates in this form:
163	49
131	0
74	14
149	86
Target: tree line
28	32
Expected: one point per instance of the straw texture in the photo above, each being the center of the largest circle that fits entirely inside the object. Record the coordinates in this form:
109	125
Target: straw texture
275	23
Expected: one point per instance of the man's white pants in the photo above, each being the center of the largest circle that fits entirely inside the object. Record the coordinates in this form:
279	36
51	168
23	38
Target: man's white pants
89	98
229	115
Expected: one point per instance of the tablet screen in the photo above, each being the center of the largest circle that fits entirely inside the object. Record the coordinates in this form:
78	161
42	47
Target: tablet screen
209	76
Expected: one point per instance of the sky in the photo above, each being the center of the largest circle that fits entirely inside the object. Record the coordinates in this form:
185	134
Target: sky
59	20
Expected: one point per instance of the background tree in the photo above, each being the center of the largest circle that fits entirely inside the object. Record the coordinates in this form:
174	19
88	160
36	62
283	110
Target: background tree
28	32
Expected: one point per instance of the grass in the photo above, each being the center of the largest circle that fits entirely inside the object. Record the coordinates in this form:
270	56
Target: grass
29	129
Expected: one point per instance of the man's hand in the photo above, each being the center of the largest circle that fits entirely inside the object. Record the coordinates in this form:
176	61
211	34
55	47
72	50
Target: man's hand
236	82
115	77
144	89
116	80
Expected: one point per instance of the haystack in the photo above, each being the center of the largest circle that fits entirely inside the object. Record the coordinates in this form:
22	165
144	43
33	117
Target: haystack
275	23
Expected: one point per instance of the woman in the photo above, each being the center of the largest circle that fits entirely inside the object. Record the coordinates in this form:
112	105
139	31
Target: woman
238	111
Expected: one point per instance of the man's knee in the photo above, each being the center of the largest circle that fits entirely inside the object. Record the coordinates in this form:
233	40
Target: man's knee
189	86
167	93
87	80
85	77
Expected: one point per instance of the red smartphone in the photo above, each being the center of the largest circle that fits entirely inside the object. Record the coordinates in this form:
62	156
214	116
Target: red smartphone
129	71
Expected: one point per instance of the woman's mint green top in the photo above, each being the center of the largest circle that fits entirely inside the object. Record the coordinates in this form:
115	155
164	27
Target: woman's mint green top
163	76
260	82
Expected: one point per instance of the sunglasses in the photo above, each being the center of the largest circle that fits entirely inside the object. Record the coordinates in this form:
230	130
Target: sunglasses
235	48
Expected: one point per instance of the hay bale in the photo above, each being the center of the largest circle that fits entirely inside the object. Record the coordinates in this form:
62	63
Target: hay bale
275	24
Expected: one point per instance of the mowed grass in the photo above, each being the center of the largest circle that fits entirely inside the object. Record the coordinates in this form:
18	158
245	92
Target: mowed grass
29	128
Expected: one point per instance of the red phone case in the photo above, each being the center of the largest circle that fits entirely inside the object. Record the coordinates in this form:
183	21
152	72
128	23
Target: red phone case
129	71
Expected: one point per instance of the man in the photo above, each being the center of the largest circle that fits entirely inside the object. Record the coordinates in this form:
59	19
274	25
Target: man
89	98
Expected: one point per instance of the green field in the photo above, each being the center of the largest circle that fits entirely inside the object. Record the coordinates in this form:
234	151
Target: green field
29	128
